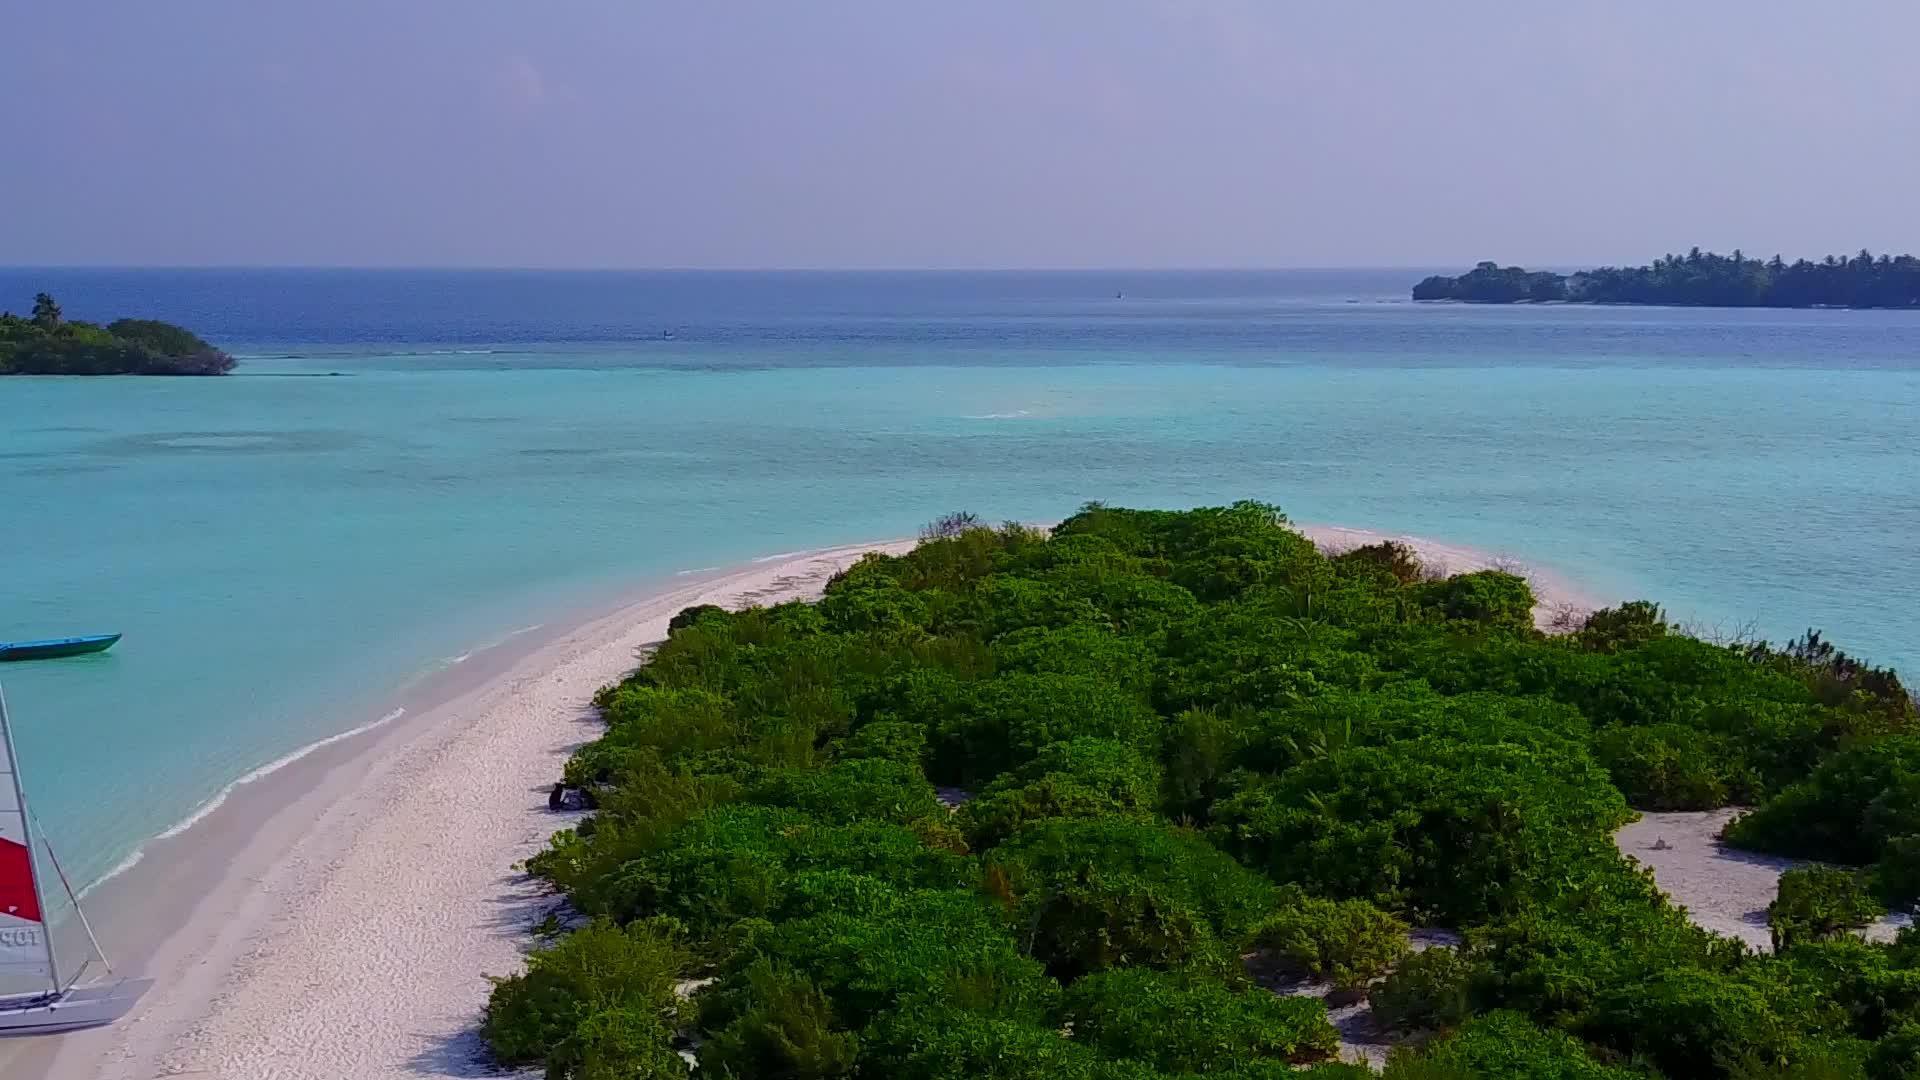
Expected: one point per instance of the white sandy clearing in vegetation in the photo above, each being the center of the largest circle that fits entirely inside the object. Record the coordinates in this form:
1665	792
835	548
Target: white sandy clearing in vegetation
1724	890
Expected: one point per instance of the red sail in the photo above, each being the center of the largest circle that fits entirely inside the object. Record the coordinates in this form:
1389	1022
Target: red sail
17	897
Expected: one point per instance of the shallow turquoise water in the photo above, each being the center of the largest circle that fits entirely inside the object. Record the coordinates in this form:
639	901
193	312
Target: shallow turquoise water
283	554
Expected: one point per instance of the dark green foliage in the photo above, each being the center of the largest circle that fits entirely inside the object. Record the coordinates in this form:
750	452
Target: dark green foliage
1629	626
1391	558
1505	1044
1675	767
785	1030
47	343
1854	804
1491	283
1606	929
951	948
1699	279
1456	831
593	1006
1348	942
1490	598
1428	991
1818	903
689	616
1897	876
1083	777
847	791
1896	1057
890	740
1692	1022
1191	1022
1101	893
980	729
922	1042
1196	745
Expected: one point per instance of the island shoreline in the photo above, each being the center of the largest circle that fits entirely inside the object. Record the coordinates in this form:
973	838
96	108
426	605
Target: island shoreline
248	916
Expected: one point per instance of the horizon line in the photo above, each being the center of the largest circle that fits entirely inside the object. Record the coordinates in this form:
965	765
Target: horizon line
429	267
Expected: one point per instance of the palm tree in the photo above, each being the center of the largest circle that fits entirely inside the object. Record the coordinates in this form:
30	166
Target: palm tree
46	311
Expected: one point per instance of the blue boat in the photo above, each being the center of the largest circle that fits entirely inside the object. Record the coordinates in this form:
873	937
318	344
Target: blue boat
56	647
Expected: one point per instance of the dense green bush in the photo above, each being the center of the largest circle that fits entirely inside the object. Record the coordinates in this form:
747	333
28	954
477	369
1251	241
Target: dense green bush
1104	893
1347	942
1083	777
1196	747
1488	597
785	1027
1191	1022
1818	903
1675	767
1504	1044
1430	990
1848	810
1453	831
594	1006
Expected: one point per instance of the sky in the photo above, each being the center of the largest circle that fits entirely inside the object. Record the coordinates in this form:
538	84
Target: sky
984	133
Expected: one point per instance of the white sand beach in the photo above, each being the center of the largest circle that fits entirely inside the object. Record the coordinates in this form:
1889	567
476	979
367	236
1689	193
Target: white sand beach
348	932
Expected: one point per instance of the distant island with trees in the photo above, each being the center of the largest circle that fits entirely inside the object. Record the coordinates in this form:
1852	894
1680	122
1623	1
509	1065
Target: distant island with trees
1697	279
46	343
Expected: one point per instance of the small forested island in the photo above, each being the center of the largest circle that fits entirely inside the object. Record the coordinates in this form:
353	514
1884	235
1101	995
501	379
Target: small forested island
1199	768
47	343
1697	279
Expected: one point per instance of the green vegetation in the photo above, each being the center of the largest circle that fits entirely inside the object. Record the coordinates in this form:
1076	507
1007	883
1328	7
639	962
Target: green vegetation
1698	279
47	343
1820	903
1200	752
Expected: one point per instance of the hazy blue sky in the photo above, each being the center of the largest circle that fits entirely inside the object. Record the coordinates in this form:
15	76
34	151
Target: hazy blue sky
964	133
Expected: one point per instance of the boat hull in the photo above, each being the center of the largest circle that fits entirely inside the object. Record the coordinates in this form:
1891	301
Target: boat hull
57	647
79	1007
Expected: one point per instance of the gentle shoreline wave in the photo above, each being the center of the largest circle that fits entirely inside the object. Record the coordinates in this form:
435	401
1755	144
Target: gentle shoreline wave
204	810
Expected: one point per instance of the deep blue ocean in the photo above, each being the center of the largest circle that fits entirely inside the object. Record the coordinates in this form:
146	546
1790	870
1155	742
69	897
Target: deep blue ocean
285	554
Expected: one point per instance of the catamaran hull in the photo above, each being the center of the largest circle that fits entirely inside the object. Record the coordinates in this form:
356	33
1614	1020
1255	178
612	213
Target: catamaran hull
57	647
81	1007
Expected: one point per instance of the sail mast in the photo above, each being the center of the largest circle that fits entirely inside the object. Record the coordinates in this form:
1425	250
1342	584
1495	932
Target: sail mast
26	833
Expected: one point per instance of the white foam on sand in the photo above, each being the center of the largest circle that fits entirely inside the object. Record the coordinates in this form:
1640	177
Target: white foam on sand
361	952
201	812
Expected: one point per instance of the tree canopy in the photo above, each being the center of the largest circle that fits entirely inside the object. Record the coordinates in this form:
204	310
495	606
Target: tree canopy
1698	279
47	343
1201	752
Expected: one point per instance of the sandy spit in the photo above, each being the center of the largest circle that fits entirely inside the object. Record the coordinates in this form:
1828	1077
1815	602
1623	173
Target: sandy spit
352	937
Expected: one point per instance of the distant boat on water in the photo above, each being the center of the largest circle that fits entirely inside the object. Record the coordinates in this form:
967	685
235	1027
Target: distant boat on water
53	648
26	941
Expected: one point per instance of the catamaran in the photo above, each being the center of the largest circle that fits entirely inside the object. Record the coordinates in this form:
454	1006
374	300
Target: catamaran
26	943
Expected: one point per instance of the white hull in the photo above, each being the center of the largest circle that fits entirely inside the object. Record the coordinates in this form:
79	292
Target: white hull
80	1007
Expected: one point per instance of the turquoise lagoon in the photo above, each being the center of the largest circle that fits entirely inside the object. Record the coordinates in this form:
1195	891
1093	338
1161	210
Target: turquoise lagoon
285	554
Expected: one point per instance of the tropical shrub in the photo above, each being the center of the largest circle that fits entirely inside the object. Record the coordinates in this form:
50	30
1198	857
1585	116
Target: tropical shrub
1819	903
1348	942
1190	740
592	1006
1083	777
1192	1022
1429	990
